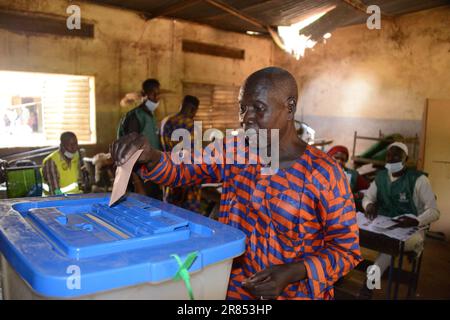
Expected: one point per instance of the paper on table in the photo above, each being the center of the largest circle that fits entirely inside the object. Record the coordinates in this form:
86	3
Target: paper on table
123	174
367	224
381	225
402	234
409	215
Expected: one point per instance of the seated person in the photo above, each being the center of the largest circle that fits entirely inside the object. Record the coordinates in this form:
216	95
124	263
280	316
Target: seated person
357	182
399	190
341	155
61	169
187	197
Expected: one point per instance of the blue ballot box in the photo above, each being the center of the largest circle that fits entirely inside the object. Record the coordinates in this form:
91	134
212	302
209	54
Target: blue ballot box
77	247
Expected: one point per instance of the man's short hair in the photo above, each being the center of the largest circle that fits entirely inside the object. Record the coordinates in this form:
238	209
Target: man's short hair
150	85
279	79
65	136
191	100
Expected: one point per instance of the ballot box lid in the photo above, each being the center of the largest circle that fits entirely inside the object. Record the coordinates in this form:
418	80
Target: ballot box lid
49	240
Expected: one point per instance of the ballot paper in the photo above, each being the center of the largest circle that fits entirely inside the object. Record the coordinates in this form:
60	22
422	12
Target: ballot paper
122	177
379	225
385	225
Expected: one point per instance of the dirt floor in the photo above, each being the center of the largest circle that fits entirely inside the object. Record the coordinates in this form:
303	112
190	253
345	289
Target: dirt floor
434	279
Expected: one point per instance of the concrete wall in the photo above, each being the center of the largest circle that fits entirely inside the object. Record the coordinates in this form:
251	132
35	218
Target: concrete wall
125	51
371	80
364	80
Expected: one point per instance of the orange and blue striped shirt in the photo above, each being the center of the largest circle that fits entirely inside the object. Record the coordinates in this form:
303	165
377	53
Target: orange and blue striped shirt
302	213
186	197
172	123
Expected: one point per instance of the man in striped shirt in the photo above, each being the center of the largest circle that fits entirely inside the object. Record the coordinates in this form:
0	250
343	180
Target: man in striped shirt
300	222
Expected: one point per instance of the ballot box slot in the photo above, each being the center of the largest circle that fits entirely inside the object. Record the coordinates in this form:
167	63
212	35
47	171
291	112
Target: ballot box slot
108	226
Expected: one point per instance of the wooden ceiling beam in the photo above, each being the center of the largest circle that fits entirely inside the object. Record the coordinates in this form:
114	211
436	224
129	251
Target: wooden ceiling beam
224	14
227	8
167	10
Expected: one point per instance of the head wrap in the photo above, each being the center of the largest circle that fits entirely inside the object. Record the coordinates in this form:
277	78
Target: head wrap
337	149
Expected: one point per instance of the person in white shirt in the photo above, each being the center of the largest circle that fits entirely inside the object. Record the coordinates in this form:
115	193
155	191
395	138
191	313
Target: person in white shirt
400	191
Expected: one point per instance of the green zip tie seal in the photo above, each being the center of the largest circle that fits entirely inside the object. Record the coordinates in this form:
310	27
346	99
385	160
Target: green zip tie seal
183	272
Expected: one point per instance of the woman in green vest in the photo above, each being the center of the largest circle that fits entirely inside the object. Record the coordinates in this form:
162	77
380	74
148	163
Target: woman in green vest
61	169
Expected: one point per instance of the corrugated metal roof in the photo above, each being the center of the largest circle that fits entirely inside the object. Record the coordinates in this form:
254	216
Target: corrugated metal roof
271	12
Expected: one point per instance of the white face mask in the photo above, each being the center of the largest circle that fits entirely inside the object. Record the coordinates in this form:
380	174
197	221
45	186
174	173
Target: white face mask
394	167
69	155
151	105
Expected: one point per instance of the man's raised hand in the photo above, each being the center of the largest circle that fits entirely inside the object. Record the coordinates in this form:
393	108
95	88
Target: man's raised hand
122	149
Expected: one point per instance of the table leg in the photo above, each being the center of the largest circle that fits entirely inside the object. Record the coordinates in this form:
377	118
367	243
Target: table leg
412	278
399	270
391	270
416	282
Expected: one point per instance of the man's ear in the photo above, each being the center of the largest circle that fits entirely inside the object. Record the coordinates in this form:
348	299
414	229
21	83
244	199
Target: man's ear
292	107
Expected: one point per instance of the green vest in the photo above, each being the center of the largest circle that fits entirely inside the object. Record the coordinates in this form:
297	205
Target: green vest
147	124
396	198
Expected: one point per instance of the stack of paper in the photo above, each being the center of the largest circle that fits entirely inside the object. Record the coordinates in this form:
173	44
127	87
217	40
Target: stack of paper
385	225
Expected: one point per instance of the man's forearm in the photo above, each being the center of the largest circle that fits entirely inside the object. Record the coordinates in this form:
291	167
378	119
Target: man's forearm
297	270
154	159
365	203
149	166
370	196
430	215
